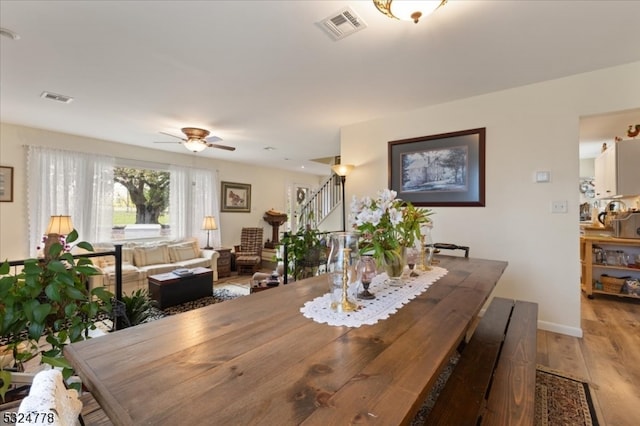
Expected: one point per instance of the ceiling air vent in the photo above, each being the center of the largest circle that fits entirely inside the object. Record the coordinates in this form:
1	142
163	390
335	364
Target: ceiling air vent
55	97
342	23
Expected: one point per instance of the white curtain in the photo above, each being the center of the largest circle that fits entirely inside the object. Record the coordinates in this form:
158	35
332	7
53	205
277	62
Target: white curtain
69	183
193	195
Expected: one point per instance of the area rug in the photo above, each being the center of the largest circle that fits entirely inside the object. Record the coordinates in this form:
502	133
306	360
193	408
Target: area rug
219	295
560	399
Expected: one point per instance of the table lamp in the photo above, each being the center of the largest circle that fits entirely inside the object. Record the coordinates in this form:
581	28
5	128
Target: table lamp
209	224
58	225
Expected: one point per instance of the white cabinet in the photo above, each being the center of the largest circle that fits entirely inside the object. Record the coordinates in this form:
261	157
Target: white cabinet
618	170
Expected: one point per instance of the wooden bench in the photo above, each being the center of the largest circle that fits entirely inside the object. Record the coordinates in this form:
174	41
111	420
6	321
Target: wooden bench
494	381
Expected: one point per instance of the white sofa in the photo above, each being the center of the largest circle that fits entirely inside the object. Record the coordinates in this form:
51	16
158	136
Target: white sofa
140	260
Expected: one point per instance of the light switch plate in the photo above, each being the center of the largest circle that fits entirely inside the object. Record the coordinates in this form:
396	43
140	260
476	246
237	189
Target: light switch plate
543	176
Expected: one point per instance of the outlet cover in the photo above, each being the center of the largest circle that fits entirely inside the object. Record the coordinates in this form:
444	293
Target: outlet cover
559	206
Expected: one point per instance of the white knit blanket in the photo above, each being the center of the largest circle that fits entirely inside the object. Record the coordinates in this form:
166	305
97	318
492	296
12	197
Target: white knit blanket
49	402
389	299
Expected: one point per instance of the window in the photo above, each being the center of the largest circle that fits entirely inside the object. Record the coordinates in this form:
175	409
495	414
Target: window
87	188
140	203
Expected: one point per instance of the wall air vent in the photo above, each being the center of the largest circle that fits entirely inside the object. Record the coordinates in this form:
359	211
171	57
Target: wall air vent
342	23
55	97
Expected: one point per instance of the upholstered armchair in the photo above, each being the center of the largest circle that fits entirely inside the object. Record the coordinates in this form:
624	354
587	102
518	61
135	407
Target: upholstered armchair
249	252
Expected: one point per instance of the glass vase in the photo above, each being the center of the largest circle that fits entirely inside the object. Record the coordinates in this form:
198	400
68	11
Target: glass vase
427	245
341	270
393	262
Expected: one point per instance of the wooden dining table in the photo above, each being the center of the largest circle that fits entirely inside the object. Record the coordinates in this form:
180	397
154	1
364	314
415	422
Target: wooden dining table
257	360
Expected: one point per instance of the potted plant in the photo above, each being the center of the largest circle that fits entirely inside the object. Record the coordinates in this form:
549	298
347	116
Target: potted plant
387	226
49	298
306	251
138	307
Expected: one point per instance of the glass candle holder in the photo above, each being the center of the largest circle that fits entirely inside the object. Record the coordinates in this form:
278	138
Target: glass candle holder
341	269
366	272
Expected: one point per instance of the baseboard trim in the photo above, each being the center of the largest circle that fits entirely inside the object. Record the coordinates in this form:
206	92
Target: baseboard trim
560	328
554	327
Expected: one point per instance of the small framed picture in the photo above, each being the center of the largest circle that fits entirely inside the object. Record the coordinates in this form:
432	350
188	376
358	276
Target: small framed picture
6	184
236	197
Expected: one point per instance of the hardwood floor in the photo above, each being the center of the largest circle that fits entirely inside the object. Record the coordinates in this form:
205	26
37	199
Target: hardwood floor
608	356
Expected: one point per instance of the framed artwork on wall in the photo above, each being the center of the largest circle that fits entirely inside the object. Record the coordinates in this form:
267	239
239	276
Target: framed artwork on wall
236	197
440	170
6	184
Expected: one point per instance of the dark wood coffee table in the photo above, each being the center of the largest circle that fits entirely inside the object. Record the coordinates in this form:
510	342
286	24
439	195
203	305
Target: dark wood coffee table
170	289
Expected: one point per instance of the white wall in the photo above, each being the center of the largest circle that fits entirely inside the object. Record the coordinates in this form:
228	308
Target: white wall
529	128
267	184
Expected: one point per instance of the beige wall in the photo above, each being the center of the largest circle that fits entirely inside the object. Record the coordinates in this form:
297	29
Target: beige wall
529	128
267	184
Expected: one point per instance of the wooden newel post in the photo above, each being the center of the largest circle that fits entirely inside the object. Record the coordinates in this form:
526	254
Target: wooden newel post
275	219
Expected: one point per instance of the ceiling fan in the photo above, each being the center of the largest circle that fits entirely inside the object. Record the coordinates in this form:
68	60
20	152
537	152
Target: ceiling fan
195	140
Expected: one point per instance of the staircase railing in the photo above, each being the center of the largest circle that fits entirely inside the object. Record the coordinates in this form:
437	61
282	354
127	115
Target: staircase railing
321	203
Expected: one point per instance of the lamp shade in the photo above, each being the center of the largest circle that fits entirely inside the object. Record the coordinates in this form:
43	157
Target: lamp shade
195	145
342	169
209	223
60	225
408	10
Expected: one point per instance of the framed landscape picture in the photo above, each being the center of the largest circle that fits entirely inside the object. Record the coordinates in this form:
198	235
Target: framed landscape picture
440	170
6	184
236	197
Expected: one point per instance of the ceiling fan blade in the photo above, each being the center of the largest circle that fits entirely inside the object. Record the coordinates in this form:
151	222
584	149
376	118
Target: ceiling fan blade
173	136
212	139
225	147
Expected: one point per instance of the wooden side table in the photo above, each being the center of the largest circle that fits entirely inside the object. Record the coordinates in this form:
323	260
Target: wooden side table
224	262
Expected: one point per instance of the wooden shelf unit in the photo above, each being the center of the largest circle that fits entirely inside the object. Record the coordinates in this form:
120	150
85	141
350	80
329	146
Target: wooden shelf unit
591	271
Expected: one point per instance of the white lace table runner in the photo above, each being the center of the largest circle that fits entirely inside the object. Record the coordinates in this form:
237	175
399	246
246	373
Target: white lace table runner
387	302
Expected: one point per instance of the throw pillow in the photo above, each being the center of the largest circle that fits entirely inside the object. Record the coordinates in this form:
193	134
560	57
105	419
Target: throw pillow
103	262
184	253
144	256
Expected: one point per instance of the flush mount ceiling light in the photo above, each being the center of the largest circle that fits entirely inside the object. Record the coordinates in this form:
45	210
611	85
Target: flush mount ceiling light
408	10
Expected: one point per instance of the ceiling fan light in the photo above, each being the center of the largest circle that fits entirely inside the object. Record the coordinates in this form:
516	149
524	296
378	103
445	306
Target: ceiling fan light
195	145
408	10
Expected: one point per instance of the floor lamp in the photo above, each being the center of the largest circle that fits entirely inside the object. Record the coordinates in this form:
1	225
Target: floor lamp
209	224
343	170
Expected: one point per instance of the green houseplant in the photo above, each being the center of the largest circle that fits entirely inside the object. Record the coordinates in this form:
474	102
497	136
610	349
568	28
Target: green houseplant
306	251
387	225
49	298
138	307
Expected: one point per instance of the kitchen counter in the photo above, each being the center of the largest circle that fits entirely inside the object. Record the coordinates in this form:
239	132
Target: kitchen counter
591	229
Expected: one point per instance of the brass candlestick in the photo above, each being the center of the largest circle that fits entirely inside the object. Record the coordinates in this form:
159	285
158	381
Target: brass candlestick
346	305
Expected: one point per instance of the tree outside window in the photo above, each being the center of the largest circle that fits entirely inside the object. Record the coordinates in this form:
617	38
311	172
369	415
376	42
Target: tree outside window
146	190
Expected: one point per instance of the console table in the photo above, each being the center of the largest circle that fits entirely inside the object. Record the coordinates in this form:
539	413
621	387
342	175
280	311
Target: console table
170	289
